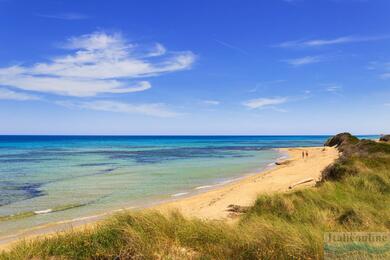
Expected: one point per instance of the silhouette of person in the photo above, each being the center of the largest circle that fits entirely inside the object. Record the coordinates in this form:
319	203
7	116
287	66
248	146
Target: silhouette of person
303	154
307	154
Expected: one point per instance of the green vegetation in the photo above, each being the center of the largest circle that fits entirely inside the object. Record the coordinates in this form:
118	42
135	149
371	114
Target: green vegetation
385	138
17	216
353	196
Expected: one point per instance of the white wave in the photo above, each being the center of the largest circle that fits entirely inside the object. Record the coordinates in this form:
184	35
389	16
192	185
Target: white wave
179	194
43	211
203	187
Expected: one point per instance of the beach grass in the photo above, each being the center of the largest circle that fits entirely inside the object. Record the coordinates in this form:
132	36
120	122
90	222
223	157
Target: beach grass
353	196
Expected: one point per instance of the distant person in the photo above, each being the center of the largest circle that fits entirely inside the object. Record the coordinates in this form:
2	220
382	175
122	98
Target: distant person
307	154
303	154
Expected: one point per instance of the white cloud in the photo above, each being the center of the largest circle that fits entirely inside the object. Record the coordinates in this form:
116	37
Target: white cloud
264	102
158	50
98	63
304	60
12	95
334	41
211	102
157	109
387	104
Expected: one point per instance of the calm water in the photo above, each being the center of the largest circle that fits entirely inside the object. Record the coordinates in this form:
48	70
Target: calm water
83	175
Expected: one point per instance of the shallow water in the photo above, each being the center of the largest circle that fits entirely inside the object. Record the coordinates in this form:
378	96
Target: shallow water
77	176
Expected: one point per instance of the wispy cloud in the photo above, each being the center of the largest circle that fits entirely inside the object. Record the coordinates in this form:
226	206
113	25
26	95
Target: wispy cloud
97	63
387	104
12	95
304	60
266	84
332	87
65	16
211	102
156	110
158	50
385	75
232	47
382	67
264	102
325	42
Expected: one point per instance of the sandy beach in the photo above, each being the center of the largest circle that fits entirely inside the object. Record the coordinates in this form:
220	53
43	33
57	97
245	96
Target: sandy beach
291	174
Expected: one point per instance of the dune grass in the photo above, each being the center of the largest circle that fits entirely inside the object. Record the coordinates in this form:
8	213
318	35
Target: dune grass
354	196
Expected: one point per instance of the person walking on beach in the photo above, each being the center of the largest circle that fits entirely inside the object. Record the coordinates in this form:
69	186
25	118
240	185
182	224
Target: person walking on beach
303	154
307	154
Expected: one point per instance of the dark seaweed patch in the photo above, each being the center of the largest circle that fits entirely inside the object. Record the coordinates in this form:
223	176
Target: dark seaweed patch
93	164
11	192
160	155
108	170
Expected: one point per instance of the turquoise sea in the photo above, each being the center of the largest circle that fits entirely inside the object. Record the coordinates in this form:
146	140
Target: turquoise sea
67	177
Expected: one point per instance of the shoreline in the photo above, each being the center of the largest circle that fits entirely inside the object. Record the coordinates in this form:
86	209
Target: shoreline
290	174
212	202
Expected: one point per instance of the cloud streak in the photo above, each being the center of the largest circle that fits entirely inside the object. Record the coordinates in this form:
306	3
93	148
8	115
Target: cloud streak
156	109
332	87
304	60
232	47
65	16
327	42
211	102
385	75
97	63
264	102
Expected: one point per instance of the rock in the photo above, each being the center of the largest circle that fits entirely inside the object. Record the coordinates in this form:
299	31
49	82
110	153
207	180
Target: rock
385	138
341	139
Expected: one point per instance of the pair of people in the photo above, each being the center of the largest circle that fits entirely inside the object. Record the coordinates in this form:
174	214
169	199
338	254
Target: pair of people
305	153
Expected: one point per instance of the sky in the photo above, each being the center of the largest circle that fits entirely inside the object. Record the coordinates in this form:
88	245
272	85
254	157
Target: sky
198	67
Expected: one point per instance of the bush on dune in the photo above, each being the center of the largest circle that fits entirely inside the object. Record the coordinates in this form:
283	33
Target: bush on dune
385	138
353	196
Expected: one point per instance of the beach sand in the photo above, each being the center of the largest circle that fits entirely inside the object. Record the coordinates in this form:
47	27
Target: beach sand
291	174
285	177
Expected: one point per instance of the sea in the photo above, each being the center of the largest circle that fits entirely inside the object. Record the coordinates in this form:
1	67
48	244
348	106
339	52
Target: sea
46	179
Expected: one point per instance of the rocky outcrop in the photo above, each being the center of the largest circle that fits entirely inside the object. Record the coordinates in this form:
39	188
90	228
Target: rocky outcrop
341	139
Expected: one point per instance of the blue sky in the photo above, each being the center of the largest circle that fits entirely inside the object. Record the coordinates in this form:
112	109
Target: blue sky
194	67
